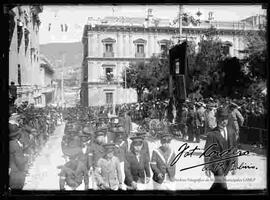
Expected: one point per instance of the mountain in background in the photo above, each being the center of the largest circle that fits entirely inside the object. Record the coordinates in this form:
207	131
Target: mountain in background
73	58
73	53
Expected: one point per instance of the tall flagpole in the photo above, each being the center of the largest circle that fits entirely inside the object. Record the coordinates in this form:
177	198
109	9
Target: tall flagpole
180	21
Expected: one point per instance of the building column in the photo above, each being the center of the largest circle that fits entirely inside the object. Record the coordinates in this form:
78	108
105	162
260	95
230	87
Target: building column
130	46
99	45
118	44
155	42
90	44
124	45
149	45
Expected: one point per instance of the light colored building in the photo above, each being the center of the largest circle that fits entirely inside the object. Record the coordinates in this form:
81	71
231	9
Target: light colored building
31	72
24	63
112	43
49	86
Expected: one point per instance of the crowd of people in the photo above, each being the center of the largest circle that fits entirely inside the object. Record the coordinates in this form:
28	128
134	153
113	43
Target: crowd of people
101	151
29	129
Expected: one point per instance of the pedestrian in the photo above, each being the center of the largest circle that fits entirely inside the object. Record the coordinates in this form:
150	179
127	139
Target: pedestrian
74	172
87	135
126	123
145	145
121	148
235	119
222	137
13	92
163	172
210	119
137	170
183	122
191	122
95	150
17	159
107	171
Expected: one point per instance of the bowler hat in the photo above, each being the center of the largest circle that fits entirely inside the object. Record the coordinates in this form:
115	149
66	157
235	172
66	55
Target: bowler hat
222	113
14	130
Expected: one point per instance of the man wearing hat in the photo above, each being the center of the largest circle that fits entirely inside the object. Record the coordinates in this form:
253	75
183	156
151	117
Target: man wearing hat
235	118
107	172
86	135
74	172
70	139
17	159
183	121
145	146
137	171
210	119
223	139
191	121
121	147
95	150
163	172
125	121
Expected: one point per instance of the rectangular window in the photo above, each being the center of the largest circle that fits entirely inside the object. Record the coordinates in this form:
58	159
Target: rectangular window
140	48
19	74
163	47
109	47
109	73
109	98
19	33
226	50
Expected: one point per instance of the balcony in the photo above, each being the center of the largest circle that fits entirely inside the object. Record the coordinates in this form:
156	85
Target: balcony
139	55
108	54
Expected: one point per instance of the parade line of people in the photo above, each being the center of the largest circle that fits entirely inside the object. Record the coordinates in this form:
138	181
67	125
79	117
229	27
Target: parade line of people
103	153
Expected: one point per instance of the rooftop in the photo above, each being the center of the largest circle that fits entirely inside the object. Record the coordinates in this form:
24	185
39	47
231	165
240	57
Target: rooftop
187	22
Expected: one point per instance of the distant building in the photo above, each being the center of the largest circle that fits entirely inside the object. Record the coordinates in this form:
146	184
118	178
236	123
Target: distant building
24	62
112	43
49	86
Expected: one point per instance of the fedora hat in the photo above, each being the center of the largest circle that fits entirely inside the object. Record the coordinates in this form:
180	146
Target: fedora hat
222	113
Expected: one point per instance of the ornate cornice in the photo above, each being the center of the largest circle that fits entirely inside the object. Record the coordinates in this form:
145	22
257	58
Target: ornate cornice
116	59
168	30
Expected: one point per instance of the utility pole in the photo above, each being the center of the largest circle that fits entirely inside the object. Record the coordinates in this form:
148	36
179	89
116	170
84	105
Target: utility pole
62	82
180	21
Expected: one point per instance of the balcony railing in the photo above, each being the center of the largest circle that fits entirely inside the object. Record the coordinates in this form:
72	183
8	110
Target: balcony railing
139	55
108	54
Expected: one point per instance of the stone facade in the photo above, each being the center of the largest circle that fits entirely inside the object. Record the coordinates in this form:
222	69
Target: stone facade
24	59
110	44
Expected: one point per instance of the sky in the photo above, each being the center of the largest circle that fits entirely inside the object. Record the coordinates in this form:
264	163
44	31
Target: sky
75	16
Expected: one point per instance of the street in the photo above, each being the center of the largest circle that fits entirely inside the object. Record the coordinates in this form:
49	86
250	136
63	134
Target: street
43	174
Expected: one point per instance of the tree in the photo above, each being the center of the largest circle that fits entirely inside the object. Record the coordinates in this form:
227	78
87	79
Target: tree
152	75
138	77
205	71
256	53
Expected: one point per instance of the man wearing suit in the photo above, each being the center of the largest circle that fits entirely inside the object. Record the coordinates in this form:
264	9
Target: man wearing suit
107	171
137	168
125	121
163	172
17	159
222	138
145	146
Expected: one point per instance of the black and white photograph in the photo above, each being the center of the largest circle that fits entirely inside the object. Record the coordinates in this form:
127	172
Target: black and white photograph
137	97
